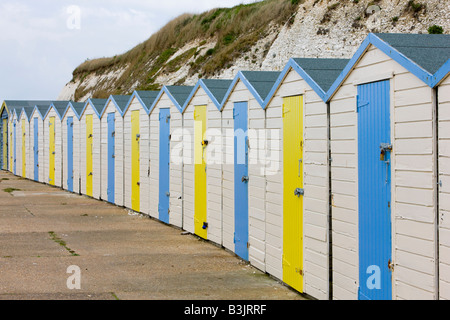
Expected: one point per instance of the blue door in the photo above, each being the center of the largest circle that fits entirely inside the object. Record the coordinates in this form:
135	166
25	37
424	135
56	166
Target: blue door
36	149
164	164
374	183
14	146
240	112
111	156
4	140
70	154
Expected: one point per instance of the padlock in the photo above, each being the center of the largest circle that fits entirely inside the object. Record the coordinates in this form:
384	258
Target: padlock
382	154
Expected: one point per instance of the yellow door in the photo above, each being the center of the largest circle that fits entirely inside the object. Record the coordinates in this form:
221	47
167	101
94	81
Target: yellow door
5	142
292	192
200	217
52	150
135	162
89	145
24	162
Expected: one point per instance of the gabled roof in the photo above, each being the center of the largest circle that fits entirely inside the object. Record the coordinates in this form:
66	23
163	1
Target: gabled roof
41	110
177	94
120	101
430	51
318	73
216	89
27	111
259	83
441	74
77	108
145	98
421	54
60	108
17	105
97	104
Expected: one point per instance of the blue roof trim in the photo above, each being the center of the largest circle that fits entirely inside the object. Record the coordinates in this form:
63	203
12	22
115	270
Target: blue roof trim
404	61
111	99
36	108
134	95
201	84
92	106
174	101
52	106
240	76
305	76
26	115
71	106
441	74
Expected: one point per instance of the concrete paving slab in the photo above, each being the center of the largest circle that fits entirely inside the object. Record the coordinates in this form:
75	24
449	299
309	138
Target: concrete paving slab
44	230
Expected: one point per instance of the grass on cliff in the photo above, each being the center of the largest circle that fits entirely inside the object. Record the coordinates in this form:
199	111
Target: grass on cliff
235	30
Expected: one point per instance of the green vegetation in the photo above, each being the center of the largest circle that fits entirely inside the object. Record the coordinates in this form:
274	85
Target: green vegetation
235	30
435	30
10	190
54	237
415	7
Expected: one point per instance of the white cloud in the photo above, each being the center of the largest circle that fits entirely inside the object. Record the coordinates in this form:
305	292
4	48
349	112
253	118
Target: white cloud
39	52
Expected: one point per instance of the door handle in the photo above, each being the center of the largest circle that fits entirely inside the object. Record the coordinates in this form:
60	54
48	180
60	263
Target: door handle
245	179
299	192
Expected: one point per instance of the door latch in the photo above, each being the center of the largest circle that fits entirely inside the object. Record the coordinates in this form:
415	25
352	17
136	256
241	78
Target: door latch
245	179
299	192
384	147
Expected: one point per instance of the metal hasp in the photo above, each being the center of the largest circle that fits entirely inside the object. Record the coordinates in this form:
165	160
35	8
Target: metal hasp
299	192
385	147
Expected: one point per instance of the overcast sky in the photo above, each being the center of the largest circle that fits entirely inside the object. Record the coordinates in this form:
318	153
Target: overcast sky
43	41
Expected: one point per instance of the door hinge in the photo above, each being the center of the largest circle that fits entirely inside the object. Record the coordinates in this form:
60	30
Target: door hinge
391	265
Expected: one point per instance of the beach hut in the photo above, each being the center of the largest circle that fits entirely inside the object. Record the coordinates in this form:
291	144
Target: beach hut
166	152
13	122
53	154
243	126
112	149
383	169
90	135
8	110
135	148
297	175
37	141
71	146
23	151
442	85
202	170
4	116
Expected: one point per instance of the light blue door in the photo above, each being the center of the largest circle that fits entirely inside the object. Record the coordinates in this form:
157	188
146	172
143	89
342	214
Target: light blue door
36	149
374	184
164	164
14	142
70	154
4	140
240	112
111	156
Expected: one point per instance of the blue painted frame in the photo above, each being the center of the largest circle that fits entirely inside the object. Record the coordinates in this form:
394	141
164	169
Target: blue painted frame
241	228
70	154
374	191
36	149
111	156
164	164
